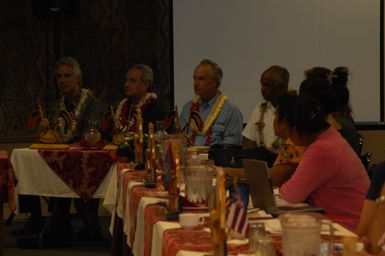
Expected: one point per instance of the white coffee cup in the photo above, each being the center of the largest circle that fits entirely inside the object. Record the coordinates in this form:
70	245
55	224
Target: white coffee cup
190	220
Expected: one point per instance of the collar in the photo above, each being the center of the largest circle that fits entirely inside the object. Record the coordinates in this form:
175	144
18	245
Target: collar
209	102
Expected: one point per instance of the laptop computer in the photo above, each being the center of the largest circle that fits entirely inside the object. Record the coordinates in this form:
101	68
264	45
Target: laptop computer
261	190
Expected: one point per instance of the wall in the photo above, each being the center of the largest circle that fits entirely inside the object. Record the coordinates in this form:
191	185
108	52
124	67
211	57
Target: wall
248	37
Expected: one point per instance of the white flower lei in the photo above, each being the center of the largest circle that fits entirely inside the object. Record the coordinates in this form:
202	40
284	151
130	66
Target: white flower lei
131	119
65	137
278	142
118	112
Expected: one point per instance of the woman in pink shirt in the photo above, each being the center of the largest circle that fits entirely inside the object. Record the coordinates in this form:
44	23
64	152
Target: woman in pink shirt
330	174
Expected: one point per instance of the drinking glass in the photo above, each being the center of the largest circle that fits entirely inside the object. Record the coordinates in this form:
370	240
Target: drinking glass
302	234
198	178
259	242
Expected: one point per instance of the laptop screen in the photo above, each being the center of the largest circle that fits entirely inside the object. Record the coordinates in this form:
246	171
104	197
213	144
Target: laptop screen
261	192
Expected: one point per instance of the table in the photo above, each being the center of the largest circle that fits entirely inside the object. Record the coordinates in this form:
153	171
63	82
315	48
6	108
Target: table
140	217
7	181
62	173
7	190
127	199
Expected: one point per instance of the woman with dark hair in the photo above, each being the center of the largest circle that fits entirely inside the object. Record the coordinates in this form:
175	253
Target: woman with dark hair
339	80
329	174
318	86
320	72
333	104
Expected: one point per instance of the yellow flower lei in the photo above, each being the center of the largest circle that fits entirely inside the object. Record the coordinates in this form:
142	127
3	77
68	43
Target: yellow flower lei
212	116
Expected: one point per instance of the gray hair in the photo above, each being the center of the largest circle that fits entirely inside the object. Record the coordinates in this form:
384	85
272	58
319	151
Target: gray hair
147	74
217	73
69	61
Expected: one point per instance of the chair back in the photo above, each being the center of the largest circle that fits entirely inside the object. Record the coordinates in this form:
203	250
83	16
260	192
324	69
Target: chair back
367	156
365	159
360	142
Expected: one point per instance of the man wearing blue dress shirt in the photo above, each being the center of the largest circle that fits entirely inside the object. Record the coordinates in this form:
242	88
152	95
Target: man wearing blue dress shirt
210	119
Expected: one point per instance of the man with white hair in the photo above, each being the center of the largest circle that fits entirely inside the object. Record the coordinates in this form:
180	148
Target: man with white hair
210	119
68	124
139	81
139	95
75	107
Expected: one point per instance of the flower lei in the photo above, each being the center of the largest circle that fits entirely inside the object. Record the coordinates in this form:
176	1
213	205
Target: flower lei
206	130
277	143
126	113
67	136
261	124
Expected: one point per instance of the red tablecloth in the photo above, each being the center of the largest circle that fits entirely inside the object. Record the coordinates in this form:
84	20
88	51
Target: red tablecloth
153	214
175	240
7	181
81	170
137	193
129	177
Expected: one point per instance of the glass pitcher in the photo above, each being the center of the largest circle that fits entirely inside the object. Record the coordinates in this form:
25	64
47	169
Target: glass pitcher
92	136
302	234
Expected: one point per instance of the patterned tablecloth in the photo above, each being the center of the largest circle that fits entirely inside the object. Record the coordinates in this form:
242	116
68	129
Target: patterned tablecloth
7	191
81	170
139	201
153	214
7	181
174	239
62	173
137	193
142	218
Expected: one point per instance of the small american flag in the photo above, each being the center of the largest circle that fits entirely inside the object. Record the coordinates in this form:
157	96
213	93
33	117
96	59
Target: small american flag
236	214
34	119
168	166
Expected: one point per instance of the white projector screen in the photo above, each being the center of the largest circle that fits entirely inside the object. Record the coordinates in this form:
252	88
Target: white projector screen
247	36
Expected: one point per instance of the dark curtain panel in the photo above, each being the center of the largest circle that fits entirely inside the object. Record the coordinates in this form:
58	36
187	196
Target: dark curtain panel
106	37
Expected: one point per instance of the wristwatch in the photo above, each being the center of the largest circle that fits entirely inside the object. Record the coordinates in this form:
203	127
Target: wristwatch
380	199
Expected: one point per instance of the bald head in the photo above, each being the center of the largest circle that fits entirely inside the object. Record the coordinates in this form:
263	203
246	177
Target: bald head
274	83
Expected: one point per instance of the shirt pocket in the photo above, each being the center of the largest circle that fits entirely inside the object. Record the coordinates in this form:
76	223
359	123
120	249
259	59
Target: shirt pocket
218	128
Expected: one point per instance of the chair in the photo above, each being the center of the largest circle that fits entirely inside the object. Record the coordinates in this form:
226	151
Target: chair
360	142
367	156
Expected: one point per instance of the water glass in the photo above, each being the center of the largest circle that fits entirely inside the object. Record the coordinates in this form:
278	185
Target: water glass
259	242
302	234
198	178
